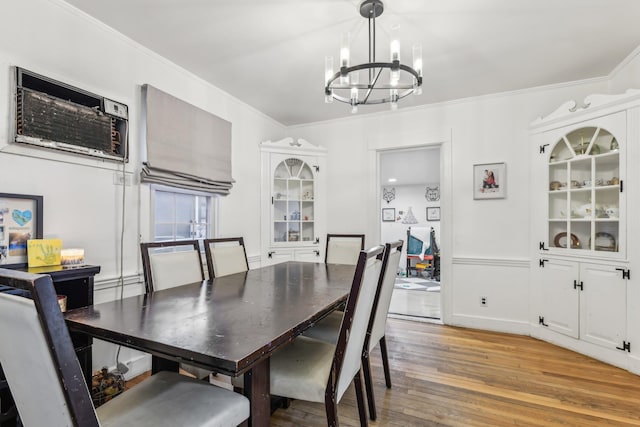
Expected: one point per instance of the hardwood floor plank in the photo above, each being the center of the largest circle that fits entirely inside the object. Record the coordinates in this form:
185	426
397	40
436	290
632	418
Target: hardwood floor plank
454	377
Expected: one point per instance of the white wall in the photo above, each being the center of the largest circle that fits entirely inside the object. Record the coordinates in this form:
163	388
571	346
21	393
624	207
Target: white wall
488	251
82	206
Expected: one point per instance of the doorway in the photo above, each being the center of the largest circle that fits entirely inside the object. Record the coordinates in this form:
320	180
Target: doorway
410	189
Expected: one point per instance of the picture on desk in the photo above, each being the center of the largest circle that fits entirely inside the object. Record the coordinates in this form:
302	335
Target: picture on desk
20	221
18	243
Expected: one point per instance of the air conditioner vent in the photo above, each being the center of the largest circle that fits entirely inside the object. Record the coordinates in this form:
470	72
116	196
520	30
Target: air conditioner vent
51	114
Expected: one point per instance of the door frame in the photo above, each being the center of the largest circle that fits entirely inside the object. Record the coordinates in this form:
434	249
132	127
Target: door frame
376	149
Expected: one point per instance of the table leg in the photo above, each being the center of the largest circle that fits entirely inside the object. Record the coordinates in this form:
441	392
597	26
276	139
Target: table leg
256	388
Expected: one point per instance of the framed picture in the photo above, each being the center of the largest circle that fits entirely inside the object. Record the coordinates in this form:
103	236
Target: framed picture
433	214
388	214
489	181
20	221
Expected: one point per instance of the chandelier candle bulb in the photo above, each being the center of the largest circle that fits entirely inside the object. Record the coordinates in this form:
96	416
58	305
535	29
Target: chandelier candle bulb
344	57
328	69
355	79
394	46
417	59
394	99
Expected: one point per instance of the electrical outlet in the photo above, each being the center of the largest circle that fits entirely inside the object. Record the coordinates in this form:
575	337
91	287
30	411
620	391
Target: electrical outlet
483	301
119	179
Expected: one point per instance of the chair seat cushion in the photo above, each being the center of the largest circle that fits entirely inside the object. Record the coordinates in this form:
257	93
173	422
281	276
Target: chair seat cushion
299	370
327	329
170	399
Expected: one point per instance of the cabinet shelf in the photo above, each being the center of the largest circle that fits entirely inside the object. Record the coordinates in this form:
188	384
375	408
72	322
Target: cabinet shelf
584	172
294	206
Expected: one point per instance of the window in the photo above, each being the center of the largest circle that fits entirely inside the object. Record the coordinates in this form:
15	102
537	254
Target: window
181	215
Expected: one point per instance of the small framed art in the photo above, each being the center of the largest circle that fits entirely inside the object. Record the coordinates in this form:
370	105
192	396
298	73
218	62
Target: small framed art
20	221
388	214
489	181
433	214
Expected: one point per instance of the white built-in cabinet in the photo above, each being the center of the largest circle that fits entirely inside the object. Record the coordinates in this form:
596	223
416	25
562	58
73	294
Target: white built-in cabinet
574	297
293	201
582	196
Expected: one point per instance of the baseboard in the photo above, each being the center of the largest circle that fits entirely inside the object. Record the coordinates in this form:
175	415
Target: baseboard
613	357
490	324
634	364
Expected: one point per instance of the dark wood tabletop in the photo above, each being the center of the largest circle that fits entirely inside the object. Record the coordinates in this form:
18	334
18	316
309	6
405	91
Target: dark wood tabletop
230	324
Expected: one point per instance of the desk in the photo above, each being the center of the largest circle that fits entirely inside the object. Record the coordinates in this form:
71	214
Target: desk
231	324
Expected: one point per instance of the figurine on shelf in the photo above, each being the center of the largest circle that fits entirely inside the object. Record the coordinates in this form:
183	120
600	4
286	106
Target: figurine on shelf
614	145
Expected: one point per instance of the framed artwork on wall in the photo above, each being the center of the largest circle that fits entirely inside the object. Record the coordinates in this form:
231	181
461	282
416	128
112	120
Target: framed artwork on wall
388	214
489	180
20	221
433	214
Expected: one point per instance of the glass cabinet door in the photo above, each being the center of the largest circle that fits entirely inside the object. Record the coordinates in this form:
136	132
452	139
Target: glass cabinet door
585	188
293	196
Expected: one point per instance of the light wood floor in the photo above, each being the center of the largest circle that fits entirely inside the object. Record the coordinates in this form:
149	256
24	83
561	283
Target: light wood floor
446	376
415	303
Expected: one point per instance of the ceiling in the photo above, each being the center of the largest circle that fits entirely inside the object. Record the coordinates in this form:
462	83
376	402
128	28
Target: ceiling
270	53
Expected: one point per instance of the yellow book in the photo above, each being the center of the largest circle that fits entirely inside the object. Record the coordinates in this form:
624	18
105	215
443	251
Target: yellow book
43	252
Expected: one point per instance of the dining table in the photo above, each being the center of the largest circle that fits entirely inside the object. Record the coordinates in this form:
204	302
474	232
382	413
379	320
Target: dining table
230	325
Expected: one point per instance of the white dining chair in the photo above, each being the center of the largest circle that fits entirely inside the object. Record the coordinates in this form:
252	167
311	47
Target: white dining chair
343	248
226	255
170	264
328	328
49	389
318	371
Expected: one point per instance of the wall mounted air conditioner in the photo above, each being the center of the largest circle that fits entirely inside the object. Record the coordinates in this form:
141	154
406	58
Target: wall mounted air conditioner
54	115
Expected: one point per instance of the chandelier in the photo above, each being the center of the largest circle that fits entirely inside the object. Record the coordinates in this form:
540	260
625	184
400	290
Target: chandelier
382	82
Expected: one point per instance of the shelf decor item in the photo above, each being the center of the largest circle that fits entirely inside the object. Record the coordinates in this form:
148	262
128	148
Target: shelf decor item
388	214
560	241
72	257
20	221
43	252
489	180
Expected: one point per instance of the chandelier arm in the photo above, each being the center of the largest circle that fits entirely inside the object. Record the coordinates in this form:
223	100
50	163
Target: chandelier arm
371	86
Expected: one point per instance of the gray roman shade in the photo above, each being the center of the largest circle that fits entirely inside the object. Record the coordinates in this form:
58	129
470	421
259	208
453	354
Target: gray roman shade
187	147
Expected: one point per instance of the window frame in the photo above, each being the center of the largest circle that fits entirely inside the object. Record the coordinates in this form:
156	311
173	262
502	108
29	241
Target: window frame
212	208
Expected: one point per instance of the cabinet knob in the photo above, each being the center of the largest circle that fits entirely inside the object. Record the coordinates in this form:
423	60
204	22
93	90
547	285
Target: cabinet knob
270	253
